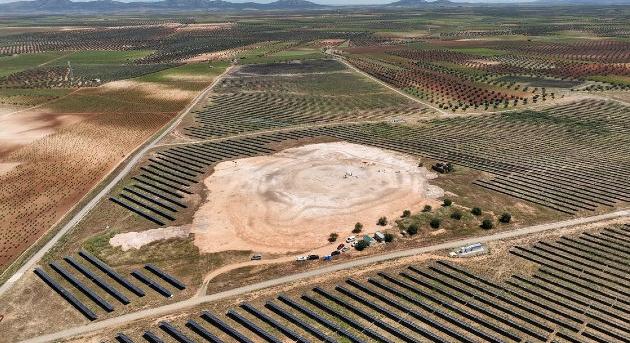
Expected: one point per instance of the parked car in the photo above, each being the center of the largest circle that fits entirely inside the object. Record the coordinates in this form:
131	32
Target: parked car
301	258
327	258
354	244
340	246
351	239
345	249
313	257
335	253
469	250
256	257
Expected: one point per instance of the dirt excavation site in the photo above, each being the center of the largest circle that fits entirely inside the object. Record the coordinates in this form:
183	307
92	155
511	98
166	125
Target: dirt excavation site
292	200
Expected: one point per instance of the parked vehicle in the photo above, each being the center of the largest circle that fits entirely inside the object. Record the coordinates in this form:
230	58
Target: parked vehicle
256	257
379	236
351	239
301	258
469	250
335	253
327	258
313	257
345	249
340	246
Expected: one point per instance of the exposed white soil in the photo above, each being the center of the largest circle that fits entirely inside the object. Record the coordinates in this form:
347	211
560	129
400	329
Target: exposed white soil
135	240
292	200
151	90
24	128
6	167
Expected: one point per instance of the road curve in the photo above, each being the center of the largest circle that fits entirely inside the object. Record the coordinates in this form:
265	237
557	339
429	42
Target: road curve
129	164
184	304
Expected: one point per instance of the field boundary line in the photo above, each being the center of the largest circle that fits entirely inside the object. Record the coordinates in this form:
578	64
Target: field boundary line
128	164
194	301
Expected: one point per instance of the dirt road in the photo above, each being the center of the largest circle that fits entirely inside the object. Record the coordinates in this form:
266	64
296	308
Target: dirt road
194	301
128	166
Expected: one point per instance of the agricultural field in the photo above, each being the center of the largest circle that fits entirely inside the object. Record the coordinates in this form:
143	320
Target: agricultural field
172	150
44	128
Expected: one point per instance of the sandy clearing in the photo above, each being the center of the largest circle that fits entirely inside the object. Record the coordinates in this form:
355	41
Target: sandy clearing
483	62
135	240
291	201
205	27
151	90
9	109
222	54
190	77
23	129
6	167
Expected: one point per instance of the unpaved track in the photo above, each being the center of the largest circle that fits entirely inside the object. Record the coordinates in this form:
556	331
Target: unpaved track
128	165
194	301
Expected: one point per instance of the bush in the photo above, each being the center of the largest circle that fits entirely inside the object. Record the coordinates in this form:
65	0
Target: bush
447	202
382	221
358	227
333	237
505	218
412	229
456	215
486	224
406	213
435	223
476	211
427	208
389	237
362	244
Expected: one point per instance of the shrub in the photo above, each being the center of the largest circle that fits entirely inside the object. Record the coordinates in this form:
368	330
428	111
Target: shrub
505	218
382	221
447	202
486	224
435	223
476	211
333	237
406	213
427	208
358	227
456	215
389	237
412	229
362	244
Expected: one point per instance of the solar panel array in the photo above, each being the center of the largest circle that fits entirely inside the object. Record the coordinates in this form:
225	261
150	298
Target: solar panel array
579	293
96	284
561	161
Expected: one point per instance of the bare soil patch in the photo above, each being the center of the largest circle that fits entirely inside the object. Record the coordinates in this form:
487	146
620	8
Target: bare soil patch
151	90
291	201
24	128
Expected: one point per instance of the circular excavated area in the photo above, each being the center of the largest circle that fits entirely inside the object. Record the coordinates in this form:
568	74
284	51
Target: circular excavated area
292	200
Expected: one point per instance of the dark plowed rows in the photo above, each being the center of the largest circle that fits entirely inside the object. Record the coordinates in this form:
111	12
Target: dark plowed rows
445	303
